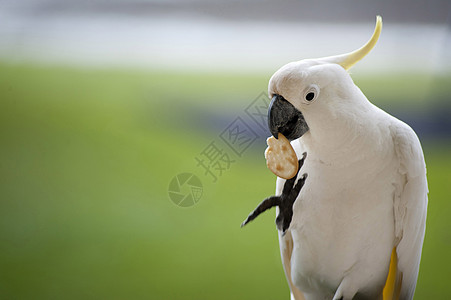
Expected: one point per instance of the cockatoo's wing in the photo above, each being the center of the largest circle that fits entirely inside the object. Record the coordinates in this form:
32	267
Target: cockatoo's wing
410	205
286	249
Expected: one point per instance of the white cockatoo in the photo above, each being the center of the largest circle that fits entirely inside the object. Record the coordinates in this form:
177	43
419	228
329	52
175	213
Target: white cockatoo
354	228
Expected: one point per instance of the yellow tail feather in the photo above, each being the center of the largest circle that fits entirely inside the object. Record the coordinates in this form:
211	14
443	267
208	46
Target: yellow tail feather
393	284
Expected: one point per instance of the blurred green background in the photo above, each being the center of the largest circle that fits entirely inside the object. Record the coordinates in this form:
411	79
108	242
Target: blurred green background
86	159
87	154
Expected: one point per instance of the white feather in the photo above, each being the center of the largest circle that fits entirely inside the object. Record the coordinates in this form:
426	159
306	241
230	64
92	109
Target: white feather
410	205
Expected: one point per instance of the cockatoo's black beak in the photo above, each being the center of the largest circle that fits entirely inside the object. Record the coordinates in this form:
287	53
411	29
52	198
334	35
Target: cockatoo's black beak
283	117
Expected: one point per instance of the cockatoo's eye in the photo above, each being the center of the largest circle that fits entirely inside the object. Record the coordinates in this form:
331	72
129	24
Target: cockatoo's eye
311	93
310	96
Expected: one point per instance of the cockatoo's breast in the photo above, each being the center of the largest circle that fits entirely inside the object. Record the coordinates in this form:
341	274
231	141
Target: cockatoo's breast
343	218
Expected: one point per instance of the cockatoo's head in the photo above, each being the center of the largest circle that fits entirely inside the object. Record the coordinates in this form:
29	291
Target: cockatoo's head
312	92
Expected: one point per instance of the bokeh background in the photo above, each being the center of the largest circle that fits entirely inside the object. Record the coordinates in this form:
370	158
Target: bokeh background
103	103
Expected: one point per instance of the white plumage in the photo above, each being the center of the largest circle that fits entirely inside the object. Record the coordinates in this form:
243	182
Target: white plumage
366	191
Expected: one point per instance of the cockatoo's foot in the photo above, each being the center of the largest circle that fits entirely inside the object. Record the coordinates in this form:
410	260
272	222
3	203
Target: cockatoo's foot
283	220
285	201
